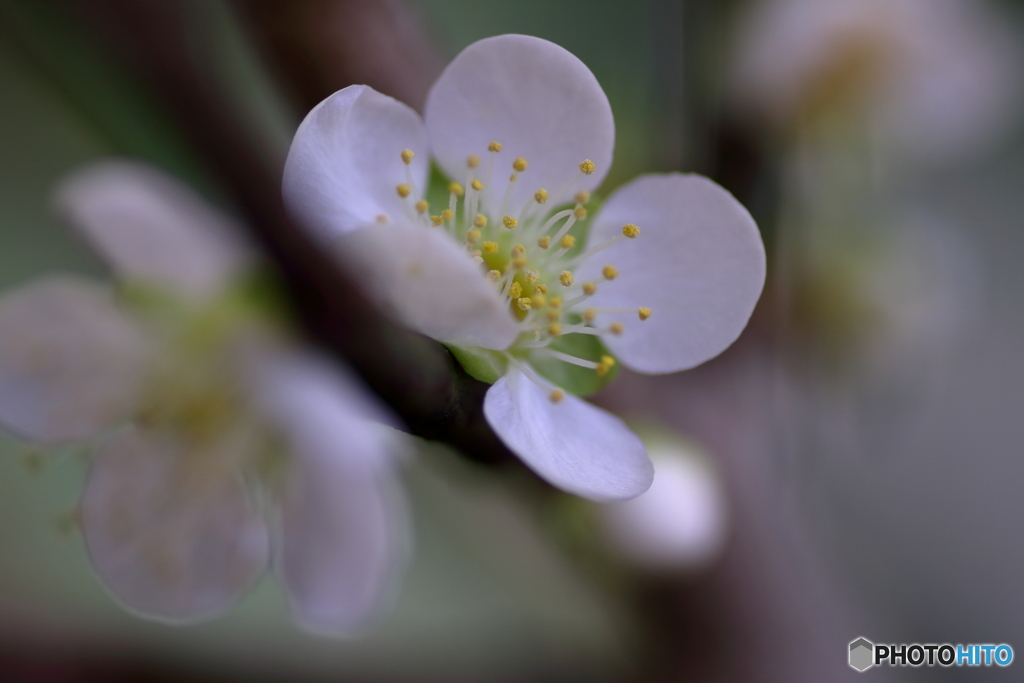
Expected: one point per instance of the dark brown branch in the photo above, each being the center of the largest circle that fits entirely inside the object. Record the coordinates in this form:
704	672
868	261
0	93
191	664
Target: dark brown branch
416	376
319	46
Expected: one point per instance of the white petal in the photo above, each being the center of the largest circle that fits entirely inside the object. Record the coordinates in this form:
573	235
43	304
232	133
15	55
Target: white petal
345	161
70	362
343	543
171	533
429	283
535	98
572	444
698	264
680	522
343	523
151	228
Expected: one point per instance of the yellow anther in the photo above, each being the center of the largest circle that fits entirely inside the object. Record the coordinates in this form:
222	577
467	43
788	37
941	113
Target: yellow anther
582	197
557	396
518	250
512	178
476	184
644	313
568	242
589	288
531	276
382	218
422	206
587	167
604	365
524	303
494	275
553	314
590	314
489	247
580	213
475	253
540	196
556	302
509	222
616	328
516	290
539	301
565	277
555	330
520	262
630	230
472	161
403	190
473	235
544	242
610	272
540	288
519	164
447	215
494	147
407	155
480	220
436	221
456	189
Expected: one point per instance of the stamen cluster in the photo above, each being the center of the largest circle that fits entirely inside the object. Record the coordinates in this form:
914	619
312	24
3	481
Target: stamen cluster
529	254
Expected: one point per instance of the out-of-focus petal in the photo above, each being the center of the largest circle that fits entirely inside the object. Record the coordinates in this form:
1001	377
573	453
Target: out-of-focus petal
70	362
572	444
535	98
678	523
171	532
343	523
429	283
698	264
346	161
151	228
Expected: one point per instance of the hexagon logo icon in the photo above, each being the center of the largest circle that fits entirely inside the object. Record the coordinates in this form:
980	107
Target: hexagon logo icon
862	654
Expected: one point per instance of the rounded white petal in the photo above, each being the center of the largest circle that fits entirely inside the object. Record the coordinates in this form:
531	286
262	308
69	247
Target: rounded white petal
70	362
343	542
342	522
429	283
345	161
171	533
680	522
698	264
572	444
151	228
536	99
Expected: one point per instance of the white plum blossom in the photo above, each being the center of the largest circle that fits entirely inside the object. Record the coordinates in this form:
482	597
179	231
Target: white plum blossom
665	277
218	446
937	78
681	522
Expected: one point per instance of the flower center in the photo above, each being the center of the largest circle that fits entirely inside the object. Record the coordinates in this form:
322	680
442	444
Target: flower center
528	252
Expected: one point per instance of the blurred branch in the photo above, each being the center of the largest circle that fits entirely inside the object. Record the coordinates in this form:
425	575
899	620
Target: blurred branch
320	46
416	376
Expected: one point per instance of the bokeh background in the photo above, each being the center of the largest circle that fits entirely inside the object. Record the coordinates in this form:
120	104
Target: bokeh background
867	431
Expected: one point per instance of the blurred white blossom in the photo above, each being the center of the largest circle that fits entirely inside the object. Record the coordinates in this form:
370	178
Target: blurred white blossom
503	272
681	522
217	443
936	78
